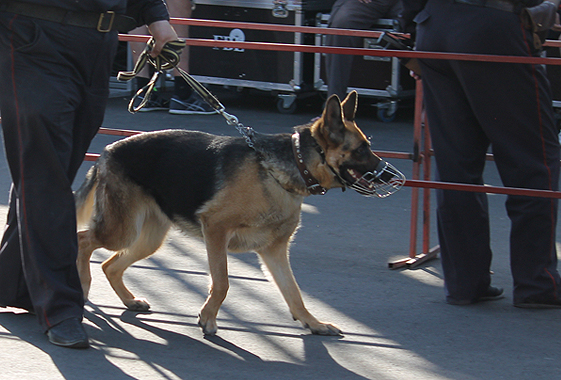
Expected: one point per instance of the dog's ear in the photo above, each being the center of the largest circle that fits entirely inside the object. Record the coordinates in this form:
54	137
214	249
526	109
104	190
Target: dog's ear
333	124
350	105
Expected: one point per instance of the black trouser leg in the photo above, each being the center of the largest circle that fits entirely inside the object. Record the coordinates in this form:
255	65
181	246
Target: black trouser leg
46	133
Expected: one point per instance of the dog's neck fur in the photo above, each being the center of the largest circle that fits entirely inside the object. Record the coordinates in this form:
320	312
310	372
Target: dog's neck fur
279	161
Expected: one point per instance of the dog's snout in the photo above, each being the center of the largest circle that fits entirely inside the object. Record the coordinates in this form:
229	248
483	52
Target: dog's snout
386	176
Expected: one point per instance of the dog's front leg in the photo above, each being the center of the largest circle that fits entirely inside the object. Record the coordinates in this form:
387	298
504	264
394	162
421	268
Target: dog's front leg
216	246
276	260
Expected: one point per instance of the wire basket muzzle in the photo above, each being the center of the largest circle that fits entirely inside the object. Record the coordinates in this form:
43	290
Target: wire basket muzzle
382	182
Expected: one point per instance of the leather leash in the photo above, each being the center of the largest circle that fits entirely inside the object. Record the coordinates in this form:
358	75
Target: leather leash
169	59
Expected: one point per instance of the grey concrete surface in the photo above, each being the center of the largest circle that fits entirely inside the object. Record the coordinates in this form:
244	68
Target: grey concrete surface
395	322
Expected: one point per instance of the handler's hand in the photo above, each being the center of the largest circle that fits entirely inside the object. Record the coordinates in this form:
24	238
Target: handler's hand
163	32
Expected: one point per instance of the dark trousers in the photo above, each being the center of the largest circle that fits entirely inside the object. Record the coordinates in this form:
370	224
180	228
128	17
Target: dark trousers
53	92
352	14
474	105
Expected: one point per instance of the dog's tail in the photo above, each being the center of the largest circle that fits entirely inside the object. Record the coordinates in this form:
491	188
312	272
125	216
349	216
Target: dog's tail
85	197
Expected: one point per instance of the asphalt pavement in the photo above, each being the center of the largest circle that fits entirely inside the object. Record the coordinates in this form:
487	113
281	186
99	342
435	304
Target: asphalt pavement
396	324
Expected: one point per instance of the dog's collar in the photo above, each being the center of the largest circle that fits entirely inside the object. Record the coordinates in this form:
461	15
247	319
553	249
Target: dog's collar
312	184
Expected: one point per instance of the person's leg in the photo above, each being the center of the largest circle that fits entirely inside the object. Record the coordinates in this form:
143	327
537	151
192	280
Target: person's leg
338	66
525	145
44	153
12	280
181	9
350	14
520	129
37	126
462	217
526	150
185	101
460	147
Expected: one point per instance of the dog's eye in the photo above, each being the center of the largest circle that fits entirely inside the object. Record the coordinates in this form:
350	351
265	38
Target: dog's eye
362	152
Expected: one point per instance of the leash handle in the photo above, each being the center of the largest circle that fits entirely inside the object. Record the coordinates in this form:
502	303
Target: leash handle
146	90
168	59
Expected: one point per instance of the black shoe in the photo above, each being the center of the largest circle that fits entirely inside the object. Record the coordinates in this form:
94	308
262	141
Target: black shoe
539	302
69	333
491	294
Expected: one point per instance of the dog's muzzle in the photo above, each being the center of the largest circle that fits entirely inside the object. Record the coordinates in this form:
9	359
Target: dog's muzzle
382	182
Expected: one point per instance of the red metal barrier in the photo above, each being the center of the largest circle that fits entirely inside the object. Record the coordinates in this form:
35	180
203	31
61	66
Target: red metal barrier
355	51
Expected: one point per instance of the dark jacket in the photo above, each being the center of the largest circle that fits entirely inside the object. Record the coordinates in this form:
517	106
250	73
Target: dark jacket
408	13
144	12
412	7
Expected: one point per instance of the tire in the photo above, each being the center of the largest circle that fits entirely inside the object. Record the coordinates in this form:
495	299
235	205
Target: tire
284	110
383	115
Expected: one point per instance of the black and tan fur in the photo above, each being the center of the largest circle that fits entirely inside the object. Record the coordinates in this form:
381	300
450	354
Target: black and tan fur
236	198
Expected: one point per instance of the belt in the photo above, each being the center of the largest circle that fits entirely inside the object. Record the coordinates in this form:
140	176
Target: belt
503	5
102	22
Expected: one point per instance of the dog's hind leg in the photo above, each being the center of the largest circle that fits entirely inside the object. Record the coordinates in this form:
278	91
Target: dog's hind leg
86	245
216	241
152	234
276	260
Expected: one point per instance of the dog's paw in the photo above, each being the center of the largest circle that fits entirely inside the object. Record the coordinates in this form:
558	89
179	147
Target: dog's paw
325	329
137	304
209	326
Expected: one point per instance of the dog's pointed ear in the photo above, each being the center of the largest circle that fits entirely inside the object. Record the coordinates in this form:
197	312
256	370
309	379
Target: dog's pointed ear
349	105
333	123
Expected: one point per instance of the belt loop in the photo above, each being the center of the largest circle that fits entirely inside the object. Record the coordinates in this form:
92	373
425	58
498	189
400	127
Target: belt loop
102	16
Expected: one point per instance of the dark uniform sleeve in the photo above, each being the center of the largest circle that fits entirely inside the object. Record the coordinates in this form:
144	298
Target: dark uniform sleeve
410	10
145	12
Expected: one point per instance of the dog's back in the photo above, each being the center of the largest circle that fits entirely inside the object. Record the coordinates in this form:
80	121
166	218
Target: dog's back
180	169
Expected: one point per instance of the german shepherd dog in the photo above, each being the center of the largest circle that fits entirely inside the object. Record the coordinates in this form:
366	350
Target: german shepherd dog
236	198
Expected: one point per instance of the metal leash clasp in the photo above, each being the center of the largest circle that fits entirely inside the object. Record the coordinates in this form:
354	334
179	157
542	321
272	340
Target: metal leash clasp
230	119
246	132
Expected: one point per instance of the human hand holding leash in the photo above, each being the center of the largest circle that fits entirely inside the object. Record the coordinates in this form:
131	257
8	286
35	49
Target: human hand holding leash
163	52
163	32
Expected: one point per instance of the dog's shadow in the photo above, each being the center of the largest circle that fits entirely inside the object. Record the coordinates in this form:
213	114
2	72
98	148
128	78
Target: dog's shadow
118	352
216	356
